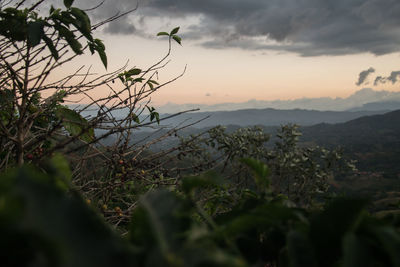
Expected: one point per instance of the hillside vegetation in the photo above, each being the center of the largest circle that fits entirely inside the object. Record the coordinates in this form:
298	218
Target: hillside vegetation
79	190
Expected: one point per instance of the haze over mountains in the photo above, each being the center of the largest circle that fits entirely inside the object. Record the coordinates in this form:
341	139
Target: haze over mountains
304	112
266	117
364	99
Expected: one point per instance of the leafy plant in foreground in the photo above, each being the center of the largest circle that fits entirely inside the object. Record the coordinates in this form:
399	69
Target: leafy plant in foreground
45	223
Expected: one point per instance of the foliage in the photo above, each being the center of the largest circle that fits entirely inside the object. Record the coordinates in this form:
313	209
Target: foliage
45	223
239	213
301	173
35	118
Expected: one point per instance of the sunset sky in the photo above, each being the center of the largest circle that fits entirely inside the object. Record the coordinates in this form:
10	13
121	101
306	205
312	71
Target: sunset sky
237	50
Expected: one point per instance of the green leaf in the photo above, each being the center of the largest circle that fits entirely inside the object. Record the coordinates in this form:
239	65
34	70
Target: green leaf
300	251
35	33
75	124
52	9
327	231
51	47
103	57
70	38
260	171
100	44
61	165
133	72
97	45
174	31
75	45
209	179
177	39
158	224
355	254
390	242
162	34
153	81
262	216
68	3
91	47
39	218
139	80
82	22
135	118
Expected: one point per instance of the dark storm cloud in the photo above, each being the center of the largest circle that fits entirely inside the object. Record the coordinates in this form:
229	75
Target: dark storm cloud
307	27
364	75
393	78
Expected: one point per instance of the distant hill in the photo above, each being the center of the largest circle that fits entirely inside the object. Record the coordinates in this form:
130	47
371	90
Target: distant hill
363	130
267	117
374	141
383	105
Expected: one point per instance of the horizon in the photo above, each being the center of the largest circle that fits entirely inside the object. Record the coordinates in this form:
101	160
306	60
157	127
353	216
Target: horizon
249	59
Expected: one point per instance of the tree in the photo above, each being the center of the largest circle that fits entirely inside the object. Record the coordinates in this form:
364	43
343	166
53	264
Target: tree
37	118
302	174
33	120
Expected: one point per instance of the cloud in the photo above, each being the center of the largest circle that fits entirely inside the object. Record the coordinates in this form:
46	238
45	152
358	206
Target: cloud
378	80
364	75
123	27
393	78
306	27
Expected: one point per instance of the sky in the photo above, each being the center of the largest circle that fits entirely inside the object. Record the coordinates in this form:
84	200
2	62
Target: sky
237	50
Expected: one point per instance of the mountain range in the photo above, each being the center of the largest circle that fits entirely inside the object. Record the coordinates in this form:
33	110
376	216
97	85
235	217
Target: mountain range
265	117
360	100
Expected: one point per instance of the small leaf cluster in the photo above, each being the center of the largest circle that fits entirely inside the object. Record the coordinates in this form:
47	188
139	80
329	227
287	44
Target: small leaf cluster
25	25
172	35
154	115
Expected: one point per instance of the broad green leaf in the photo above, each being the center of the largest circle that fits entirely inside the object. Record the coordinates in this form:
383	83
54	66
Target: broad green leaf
162	34
75	45
174	31
82	22
39	218
177	39
390	242
75	124
103	56
355	253
52	9
99	43
51	47
133	72
68	3
261	216
91	47
260	171
70	38
139	80
157	227
153	81
300	251
35	33
61	165
327	231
